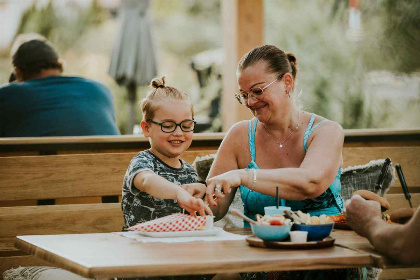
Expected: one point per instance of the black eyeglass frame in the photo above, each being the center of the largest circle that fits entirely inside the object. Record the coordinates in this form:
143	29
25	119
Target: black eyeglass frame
176	125
254	95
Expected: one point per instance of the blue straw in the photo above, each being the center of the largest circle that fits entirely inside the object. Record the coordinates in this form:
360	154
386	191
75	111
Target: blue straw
277	197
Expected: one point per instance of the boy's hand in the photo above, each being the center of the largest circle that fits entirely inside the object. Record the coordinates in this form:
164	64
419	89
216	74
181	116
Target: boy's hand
197	190
192	204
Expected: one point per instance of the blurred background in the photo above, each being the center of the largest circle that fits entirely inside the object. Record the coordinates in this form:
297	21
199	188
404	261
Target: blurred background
359	61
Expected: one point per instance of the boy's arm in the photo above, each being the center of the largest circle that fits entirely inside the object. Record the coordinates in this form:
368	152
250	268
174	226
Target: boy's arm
159	187
155	185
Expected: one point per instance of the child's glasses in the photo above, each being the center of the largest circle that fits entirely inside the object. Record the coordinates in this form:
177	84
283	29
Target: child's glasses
243	96
170	126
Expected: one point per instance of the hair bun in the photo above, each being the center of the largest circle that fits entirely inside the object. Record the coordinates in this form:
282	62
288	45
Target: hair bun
158	82
291	57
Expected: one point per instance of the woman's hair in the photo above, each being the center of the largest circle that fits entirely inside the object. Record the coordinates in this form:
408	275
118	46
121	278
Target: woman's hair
160	93
278	61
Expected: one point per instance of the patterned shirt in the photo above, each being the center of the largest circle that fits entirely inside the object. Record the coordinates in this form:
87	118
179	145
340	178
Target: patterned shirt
139	206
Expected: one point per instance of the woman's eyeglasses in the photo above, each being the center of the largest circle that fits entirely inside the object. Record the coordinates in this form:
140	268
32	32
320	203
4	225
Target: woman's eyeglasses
243	96
170	126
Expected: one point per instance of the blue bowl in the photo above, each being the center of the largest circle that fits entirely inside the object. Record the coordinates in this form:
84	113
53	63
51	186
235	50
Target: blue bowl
271	233
315	232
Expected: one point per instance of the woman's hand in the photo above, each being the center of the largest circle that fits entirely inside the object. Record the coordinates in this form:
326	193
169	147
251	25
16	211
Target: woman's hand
197	190
220	185
192	204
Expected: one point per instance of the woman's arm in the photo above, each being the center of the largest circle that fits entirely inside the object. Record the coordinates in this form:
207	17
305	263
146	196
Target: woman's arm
311	179
226	160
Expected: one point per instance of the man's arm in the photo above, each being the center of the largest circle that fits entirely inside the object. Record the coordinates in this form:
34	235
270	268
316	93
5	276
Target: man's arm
398	242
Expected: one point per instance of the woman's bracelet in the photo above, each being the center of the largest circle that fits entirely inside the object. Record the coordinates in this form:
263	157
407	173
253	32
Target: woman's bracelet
254	181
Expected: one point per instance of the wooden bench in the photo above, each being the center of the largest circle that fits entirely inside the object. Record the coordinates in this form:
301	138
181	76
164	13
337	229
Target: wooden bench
77	179
63	178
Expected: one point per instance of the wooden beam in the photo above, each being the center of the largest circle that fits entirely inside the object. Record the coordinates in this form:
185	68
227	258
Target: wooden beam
243	24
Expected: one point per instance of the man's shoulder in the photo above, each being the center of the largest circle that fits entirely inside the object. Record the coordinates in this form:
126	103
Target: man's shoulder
13	87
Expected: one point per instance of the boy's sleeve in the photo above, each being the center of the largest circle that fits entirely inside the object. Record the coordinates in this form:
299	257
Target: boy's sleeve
137	165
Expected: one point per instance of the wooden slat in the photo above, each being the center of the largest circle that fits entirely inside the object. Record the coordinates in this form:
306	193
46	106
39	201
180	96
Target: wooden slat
7	248
64	176
407	157
398	201
48	177
59	219
400	273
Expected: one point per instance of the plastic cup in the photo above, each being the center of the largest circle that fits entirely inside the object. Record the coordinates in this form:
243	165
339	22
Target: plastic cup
298	236
273	210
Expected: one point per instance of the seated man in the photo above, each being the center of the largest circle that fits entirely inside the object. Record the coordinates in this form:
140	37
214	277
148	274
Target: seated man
398	242
44	103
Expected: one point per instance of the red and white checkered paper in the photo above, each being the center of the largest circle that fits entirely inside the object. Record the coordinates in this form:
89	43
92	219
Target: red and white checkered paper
174	222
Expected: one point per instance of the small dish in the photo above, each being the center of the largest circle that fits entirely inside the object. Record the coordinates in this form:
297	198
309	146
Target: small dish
271	233
298	236
315	232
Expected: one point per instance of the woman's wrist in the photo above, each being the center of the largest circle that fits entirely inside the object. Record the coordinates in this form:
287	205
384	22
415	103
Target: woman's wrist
249	178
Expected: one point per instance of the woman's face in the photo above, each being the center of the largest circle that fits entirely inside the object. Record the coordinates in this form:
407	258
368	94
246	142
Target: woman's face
270	102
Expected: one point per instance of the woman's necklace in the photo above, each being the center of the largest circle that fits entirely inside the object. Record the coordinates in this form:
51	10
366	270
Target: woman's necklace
288	136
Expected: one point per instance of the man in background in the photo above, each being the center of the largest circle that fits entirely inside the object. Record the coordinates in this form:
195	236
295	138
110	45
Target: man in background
42	102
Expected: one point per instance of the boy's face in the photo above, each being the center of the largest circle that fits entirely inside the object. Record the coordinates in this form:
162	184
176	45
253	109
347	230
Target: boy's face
173	144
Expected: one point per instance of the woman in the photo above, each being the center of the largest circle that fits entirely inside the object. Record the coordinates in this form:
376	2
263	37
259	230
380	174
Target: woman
283	146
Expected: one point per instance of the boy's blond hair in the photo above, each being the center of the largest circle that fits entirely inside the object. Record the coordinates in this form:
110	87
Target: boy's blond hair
160	93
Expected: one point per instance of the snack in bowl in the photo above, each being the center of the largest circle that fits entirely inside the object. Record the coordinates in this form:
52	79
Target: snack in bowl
174	223
271	228
318	228
339	219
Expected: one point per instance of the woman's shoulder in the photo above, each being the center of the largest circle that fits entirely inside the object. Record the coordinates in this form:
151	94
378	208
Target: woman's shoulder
326	128
237	132
325	123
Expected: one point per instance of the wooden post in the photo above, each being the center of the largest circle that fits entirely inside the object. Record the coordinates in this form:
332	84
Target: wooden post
243	24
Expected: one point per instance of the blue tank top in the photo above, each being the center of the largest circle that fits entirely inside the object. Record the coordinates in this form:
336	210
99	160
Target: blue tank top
329	203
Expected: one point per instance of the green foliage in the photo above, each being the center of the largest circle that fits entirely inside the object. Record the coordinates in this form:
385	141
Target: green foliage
60	29
40	21
333	67
401	37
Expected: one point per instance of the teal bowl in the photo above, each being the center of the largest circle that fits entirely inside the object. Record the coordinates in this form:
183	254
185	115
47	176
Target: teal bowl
271	233
315	232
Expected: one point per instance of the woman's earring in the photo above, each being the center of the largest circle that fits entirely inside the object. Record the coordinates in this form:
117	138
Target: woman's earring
288	94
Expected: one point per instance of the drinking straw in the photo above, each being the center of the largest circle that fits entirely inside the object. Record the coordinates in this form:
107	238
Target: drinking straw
277	197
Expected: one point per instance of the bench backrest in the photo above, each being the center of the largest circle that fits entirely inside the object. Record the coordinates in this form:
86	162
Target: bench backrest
87	177
24	178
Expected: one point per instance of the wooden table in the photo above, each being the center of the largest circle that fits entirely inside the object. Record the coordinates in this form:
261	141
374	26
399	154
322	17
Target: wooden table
108	255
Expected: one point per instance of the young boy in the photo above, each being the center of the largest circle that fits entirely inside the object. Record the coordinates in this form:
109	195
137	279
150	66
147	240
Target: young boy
158	182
